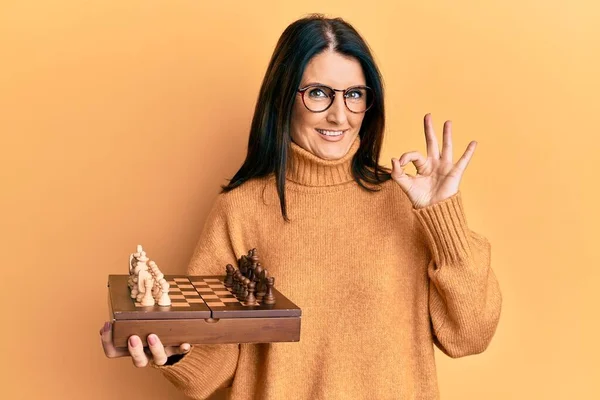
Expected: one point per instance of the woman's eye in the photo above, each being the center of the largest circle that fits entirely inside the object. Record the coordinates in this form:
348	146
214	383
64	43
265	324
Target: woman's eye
317	93
354	94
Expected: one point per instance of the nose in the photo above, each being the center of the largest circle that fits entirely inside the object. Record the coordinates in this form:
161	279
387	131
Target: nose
336	114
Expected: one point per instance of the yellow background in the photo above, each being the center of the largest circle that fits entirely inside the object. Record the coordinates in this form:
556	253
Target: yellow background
120	119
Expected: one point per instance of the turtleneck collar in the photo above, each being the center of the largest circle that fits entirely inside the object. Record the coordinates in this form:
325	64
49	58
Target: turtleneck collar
307	169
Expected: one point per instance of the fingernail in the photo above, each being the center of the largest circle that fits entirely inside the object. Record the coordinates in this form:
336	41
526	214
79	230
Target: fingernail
106	327
134	341
186	347
152	339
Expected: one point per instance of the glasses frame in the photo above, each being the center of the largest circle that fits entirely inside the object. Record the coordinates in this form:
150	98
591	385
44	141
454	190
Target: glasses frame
303	90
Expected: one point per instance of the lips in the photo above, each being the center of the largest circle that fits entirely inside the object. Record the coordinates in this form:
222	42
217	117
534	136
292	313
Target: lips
331	133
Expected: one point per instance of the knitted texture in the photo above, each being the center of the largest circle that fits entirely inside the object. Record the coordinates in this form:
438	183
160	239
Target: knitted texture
378	281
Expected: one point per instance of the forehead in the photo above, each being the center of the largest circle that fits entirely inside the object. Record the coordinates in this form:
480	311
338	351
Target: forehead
333	69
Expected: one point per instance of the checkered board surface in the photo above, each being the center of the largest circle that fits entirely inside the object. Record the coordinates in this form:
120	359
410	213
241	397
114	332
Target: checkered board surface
182	293
199	290
214	292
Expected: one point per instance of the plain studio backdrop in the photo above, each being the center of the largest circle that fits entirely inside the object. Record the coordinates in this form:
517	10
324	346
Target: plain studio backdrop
120	119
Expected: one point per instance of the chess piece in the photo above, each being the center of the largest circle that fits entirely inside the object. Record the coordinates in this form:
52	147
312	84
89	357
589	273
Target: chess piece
164	300
229	278
240	281
261	288
243	263
147	299
134	289
250	299
254	257
141	270
244	294
269	298
251	271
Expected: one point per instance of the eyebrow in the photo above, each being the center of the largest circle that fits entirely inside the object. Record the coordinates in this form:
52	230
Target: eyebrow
322	84
313	83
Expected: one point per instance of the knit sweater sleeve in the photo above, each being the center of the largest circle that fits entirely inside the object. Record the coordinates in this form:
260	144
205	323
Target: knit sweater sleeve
464	294
207	368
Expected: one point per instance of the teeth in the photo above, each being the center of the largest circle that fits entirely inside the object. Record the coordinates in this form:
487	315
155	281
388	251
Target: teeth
330	133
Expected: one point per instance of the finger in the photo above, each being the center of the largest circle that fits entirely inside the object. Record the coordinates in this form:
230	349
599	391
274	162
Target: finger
416	158
159	355
433	149
107	343
466	157
401	177
136	349
397	170
182	349
447	149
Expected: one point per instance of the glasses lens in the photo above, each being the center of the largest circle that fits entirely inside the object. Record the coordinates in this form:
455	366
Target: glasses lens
318	98
359	99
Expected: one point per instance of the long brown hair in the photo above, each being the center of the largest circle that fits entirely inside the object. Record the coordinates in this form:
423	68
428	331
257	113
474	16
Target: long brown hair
269	140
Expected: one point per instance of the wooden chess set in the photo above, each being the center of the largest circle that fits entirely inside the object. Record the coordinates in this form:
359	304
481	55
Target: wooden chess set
241	306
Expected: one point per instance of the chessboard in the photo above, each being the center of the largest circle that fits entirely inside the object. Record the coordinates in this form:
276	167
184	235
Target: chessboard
204	310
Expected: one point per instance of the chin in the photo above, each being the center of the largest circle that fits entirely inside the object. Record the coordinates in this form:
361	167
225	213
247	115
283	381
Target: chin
331	154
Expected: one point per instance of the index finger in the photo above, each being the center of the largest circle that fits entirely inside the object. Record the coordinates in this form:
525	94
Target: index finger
433	149
107	343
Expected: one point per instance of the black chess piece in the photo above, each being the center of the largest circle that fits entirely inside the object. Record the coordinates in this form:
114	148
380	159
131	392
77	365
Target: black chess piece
254	257
269	298
250	299
243	265
229	278
237	288
261	287
244	294
251	272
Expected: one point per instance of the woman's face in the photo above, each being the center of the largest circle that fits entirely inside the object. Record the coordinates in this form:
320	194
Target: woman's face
328	134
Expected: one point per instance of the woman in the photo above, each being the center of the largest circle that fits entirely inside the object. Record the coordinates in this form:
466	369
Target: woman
382	264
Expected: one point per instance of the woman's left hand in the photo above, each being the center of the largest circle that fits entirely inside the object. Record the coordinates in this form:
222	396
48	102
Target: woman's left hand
437	177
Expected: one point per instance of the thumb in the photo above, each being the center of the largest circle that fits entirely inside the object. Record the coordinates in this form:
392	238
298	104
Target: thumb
182	349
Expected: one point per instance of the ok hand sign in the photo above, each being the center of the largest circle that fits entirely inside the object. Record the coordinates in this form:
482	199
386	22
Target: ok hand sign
437	177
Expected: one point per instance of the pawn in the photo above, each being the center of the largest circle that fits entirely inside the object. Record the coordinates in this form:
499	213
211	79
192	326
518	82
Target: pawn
156	291
250	299
147	299
244	295
164	299
240	290
237	282
229	278
269	298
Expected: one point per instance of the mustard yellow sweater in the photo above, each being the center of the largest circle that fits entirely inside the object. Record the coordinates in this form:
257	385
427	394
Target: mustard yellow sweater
379	283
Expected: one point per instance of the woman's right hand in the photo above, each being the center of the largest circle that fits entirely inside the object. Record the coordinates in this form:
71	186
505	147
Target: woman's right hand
140	356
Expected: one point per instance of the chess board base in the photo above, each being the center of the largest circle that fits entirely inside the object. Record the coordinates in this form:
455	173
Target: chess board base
209	331
203	312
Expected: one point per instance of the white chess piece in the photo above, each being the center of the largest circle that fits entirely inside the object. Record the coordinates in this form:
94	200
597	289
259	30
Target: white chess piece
148	300
164	300
134	289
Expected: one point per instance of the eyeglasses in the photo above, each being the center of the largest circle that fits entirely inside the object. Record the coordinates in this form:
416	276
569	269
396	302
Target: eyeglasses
318	98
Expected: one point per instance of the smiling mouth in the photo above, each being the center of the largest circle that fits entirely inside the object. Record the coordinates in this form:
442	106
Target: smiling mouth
330	133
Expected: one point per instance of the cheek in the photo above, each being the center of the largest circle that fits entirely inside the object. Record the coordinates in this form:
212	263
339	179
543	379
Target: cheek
356	120
303	119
